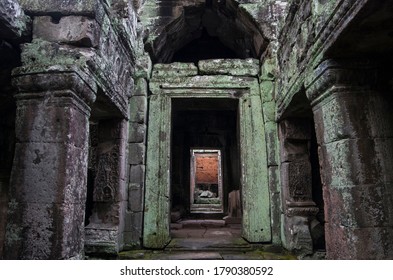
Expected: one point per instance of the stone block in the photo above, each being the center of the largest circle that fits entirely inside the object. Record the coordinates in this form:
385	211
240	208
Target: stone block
106	213
134	222
295	129
135	199
337	245
347	163
378	109
363	206
123	190
272	144
137	174
346	243
123	168
66	7
384	153
138	109
267	91
48	175
58	121
73	239
296	181
175	69
339	119
372	243
144	67
234	67
293	150
132	240
112	129
101	239
136	154
269	111
275	208
74	30
42	232
298	237
137	133
141	87
274	179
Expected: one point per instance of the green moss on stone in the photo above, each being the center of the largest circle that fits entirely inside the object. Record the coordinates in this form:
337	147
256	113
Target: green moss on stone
40	54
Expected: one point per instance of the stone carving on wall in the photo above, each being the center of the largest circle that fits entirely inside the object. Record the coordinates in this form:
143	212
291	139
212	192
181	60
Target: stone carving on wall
106	177
300	181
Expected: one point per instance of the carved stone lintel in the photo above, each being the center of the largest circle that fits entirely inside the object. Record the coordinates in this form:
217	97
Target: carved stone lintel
344	74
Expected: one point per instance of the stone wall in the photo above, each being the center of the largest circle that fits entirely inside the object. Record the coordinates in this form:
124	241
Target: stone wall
309	30
333	59
86	60
79	52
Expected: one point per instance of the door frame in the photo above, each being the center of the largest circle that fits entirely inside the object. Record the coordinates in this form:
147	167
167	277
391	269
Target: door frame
256	222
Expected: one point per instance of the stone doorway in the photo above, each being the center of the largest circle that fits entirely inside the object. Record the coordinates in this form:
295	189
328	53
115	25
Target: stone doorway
206	193
179	87
204	132
205	167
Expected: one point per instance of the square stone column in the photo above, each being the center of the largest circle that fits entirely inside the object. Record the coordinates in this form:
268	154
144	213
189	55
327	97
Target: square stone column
354	127
49	174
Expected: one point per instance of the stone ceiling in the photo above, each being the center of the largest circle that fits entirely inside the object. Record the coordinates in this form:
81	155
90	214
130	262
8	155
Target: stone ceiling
170	25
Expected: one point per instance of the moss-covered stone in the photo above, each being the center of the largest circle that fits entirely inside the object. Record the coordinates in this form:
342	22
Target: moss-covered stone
66	7
233	67
39	54
176	69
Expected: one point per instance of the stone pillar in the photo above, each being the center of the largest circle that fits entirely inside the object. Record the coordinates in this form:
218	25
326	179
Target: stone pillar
136	161
157	194
354	127
296	178
256	222
48	179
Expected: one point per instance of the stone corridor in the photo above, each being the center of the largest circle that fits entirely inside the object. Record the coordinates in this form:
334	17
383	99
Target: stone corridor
108	106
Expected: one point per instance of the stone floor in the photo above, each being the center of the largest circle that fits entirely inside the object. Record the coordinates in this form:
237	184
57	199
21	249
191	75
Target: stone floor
209	240
204	229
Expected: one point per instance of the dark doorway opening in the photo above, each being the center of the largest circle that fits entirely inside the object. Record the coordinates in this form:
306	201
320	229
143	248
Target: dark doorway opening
7	147
203	124
318	225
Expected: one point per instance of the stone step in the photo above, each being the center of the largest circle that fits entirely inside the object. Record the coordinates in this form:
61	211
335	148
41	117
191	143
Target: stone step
221	244
190	256
202	223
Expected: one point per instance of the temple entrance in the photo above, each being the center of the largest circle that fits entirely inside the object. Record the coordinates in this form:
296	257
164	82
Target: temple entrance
205	157
206	182
189	111
205	168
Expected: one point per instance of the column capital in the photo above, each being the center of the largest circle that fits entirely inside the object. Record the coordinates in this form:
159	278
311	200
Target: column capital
57	81
343	75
